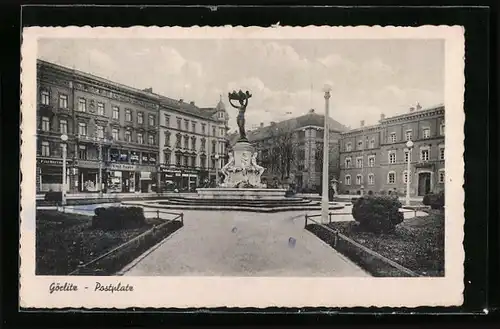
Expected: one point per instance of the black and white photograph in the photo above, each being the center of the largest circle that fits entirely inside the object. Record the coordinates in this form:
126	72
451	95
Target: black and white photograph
283	167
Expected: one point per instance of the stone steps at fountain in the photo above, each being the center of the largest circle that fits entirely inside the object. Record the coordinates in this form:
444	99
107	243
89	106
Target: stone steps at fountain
238	202
237	205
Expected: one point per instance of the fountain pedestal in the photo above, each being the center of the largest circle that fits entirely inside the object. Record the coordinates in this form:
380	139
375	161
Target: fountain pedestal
242	170
242	178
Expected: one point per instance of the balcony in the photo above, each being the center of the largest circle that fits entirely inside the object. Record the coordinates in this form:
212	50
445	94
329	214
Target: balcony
424	165
93	140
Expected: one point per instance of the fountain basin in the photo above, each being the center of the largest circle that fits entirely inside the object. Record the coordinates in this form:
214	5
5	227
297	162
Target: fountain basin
230	193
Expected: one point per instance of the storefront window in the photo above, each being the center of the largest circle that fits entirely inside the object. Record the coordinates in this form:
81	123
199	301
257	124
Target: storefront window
114	182
144	158
152	158
114	155
124	156
134	156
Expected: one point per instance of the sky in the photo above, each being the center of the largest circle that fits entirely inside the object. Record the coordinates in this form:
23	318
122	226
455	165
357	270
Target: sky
286	77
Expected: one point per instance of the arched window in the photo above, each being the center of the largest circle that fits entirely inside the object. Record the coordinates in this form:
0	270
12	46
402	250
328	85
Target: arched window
347	179
391	177
359	179
371	179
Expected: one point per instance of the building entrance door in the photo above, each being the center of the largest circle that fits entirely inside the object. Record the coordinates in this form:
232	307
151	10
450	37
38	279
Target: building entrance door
424	183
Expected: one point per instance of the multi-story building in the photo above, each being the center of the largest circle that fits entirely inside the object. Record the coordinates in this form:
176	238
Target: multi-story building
114	133
294	148
193	142
374	158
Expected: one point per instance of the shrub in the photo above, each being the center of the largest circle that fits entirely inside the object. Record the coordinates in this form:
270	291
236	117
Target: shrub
435	201
53	196
116	218
377	213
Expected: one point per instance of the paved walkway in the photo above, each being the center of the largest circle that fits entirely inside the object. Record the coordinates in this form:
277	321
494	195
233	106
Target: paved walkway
243	244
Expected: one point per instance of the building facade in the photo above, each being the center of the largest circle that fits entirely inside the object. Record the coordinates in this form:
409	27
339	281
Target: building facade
115	133
374	159
193	143
294	149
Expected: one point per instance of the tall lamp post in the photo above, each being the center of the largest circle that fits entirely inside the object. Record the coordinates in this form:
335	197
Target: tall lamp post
64	138
409	145
324	198
216	157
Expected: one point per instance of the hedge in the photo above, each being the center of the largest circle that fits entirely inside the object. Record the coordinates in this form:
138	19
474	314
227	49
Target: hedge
116	218
435	201
377	213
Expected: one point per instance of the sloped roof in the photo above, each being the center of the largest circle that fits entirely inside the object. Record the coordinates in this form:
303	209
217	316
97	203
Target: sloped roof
309	119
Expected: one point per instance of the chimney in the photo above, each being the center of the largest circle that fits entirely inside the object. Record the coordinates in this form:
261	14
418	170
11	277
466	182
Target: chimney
192	103
382	116
412	109
262	124
362	123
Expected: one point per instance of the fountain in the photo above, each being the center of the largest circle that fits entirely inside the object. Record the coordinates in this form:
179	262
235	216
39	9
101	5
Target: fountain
242	189
242	173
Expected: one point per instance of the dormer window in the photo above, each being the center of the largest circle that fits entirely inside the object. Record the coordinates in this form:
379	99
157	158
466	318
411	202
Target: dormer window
221	115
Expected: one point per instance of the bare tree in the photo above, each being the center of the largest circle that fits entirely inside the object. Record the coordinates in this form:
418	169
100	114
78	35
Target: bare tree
284	148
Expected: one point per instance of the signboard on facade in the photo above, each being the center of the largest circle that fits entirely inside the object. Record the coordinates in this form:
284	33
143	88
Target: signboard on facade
54	162
122	166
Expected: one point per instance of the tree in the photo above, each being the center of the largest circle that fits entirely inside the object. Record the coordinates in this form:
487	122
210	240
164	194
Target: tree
333	158
284	150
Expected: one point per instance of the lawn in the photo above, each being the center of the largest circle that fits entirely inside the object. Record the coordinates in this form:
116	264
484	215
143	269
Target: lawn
417	244
64	241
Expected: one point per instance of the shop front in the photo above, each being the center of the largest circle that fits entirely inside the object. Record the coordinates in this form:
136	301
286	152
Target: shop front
170	179
49	174
121	178
190	178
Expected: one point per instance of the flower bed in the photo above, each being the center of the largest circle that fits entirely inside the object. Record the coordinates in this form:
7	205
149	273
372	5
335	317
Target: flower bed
65	241
416	244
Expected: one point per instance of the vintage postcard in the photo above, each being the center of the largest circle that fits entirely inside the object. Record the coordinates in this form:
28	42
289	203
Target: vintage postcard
173	167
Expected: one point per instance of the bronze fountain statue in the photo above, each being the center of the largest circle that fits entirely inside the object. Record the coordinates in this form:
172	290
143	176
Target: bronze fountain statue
242	98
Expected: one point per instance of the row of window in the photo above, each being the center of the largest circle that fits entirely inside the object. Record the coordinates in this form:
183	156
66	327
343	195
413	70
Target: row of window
190	161
192	140
391	178
115	135
424	156
82	107
426	133
193	125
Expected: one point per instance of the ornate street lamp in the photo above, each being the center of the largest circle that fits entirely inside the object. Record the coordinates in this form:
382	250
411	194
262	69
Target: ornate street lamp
324	198
409	145
64	138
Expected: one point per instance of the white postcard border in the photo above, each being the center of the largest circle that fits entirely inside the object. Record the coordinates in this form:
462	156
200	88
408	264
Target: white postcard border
259	292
